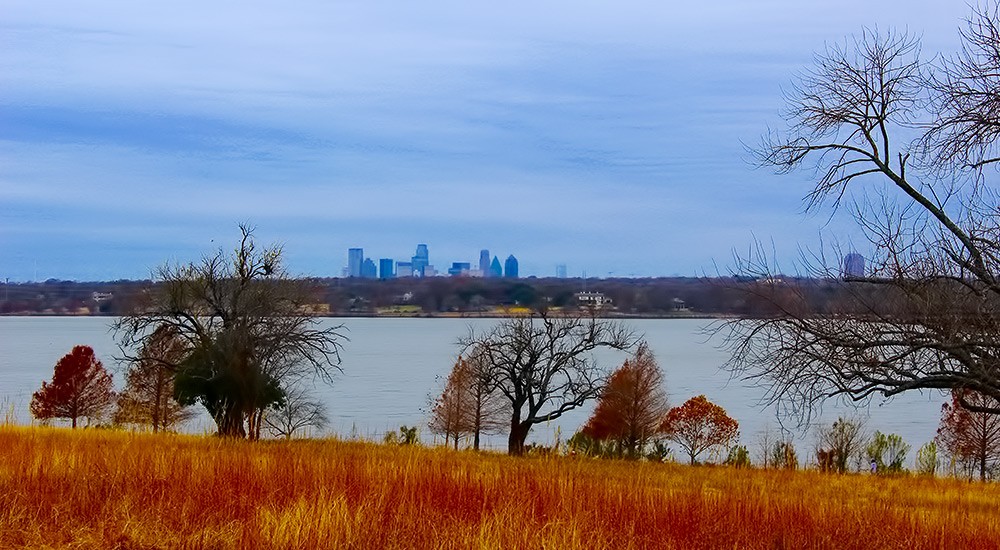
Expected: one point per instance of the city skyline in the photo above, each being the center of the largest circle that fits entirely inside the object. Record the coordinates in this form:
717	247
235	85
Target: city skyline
363	266
611	139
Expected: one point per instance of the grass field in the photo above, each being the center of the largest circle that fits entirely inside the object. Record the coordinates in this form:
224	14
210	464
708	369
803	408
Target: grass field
103	489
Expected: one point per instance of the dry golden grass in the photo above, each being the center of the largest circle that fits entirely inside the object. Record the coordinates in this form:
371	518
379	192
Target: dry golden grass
96	489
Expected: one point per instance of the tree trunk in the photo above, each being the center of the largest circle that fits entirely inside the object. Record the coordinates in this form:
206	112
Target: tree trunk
74	422
518	434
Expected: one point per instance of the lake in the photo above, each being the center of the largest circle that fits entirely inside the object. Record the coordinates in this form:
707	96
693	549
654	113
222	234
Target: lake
393	368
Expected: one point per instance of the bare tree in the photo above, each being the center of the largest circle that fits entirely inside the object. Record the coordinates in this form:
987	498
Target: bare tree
298	411
544	365
247	329
905	143
839	443
970	439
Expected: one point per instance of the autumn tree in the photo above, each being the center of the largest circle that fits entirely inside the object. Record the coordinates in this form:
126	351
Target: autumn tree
543	365
248	327
80	387
699	425
468	405
910	146
632	405
971	439
148	397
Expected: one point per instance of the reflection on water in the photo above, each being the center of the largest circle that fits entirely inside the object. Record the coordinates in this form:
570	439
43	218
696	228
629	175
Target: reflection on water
393	368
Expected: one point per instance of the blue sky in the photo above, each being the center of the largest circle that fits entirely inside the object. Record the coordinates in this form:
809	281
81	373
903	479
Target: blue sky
604	136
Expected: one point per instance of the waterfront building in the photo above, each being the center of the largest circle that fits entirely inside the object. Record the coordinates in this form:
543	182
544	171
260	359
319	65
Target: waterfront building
355	257
510	267
595	300
854	265
385	268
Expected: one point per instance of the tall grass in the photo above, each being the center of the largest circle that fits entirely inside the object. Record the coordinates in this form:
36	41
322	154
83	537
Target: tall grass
97	489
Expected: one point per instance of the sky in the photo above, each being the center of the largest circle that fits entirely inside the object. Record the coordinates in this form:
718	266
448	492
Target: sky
607	136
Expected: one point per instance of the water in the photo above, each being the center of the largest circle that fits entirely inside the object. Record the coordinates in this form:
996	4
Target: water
393	368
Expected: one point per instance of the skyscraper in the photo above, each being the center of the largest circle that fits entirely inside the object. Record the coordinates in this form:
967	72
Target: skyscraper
355	257
510	267
495	269
561	271
484	262
385	268
368	269
420	260
854	265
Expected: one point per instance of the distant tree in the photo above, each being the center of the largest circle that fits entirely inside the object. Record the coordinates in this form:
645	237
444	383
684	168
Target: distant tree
970	439
927	459
468	405
543	365
839	443
887	452
148	397
298	411
631	408
739	457
783	455
449	414
699	425
80	387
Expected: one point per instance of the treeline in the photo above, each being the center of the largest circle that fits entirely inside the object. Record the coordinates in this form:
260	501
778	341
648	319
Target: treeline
472	296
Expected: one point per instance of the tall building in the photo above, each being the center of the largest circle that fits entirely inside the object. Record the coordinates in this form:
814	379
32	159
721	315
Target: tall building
484	262
420	260
495	269
404	269
385	268
355	257
561	271
459	268
854	265
368	269
510	267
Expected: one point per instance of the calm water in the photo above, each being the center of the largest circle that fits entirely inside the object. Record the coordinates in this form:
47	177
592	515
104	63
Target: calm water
392	368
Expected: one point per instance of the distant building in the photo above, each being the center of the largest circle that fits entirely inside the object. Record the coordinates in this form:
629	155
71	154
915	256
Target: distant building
510	267
368	269
854	265
404	269
484	262
595	300
385	268
458	269
355	257
561	271
420	261
495	269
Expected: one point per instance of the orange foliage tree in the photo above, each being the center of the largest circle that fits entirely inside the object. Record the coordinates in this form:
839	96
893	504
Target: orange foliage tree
468	405
148	397
80	387
972	439
699	425
631	407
